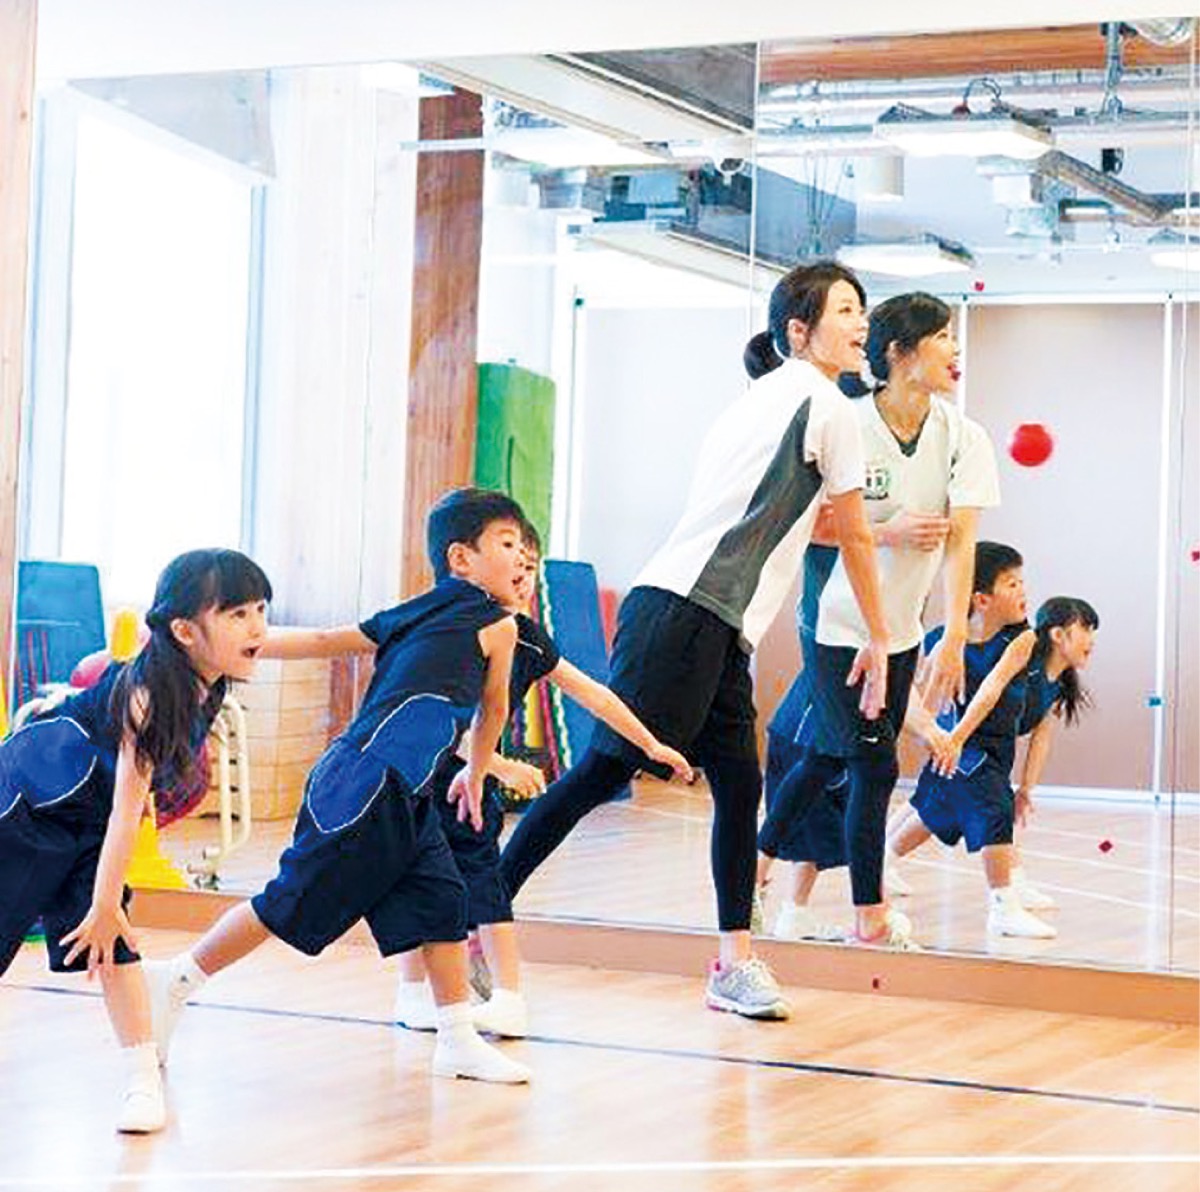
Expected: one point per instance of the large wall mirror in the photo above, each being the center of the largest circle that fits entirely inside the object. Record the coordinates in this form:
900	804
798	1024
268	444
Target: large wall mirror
625	216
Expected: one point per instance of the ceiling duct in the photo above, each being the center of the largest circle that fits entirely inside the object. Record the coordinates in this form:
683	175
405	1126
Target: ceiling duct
649	97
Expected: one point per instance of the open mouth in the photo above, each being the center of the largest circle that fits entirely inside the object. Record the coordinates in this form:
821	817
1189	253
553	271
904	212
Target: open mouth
955	372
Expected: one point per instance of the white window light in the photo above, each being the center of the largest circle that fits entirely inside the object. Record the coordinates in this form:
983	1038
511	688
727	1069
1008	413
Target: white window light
907	258
1000	134
1170	250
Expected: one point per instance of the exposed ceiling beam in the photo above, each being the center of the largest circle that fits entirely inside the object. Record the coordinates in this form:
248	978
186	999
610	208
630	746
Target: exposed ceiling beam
1072	47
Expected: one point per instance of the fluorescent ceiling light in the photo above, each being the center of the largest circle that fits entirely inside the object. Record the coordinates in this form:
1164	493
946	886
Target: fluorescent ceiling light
1000	135
565	147
663	244
906	258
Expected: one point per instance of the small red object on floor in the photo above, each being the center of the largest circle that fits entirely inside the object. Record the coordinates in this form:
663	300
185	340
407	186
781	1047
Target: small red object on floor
1106	846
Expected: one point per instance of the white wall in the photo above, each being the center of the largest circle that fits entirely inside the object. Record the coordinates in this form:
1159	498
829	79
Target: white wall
651	383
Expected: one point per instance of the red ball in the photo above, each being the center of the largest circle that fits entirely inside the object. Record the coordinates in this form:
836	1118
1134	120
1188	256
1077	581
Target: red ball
1031	444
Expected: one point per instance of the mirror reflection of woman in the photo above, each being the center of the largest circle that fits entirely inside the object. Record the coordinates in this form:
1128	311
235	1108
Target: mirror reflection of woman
930	471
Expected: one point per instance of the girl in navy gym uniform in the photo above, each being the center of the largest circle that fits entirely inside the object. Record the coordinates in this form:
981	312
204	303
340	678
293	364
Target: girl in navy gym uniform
76	778
1016	676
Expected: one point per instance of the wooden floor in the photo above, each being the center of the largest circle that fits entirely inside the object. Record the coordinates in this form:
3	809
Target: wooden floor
289	1075
645	861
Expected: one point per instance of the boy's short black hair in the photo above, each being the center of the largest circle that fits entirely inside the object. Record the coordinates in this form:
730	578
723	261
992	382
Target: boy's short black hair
531	538
462	515
992	559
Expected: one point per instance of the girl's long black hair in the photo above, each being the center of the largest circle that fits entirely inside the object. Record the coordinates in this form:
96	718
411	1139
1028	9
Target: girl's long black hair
161	725
1062	612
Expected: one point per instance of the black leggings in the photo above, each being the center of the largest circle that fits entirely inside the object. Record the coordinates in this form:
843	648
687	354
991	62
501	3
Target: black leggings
872	778
736	786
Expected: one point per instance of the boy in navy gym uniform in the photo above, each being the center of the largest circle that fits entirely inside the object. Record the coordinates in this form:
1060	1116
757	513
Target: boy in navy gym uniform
368	843
477	854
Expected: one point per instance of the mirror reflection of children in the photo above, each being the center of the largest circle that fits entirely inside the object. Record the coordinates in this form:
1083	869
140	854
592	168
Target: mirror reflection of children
368	843
77	777
1015	677
477	854
924	457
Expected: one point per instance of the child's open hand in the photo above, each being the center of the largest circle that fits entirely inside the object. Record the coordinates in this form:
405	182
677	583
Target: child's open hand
97	935
1022	805
666	756
466	789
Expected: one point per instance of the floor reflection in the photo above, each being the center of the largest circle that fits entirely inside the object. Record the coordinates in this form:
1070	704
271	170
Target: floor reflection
645	861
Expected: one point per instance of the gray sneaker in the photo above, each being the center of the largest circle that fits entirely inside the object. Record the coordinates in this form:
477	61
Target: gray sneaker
748	989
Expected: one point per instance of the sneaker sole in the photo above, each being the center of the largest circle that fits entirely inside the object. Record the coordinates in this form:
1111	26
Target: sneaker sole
452	1072
773	1011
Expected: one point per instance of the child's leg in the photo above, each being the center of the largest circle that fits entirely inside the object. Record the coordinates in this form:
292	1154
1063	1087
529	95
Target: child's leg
908	834
505	1012
802	878
503	956
414	1007
460	1050
143	1107
172	982
998	865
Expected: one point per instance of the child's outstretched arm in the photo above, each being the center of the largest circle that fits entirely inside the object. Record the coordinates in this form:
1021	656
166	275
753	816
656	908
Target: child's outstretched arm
106	921
606	705
1014	660
1036	755
921	722
497	641
316	643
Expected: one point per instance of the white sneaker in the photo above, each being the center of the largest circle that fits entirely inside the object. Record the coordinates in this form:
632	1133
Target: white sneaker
800	923
893	883
896	934
463	1053
1006	916
749	989
1032	899
504	1014
143	1108
414	1008
169	988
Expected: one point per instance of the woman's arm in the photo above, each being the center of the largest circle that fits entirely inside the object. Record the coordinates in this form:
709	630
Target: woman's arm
912	531
606	705
945	678
316	643
857	544
106	921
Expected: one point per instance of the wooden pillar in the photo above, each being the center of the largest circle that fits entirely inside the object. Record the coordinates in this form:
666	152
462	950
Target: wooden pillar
17	35
442	387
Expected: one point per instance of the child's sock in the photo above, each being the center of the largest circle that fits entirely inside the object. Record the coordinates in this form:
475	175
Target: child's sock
461	1052
414	1006
504	1014
143	1107
171	983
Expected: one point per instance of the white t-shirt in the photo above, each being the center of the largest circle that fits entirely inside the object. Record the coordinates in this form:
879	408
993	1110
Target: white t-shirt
762	471
953	466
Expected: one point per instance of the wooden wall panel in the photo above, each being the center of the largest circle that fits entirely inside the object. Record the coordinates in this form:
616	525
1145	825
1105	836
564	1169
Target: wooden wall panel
17	34
1074	47
443	391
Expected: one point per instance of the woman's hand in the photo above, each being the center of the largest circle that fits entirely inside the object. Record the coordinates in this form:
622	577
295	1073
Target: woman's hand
914	531
97	935
666	756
